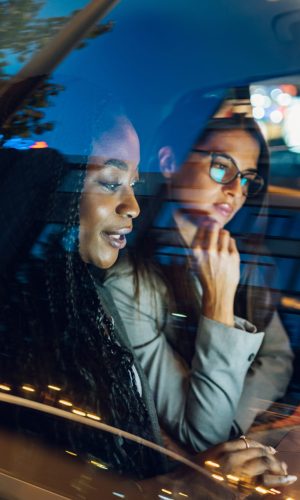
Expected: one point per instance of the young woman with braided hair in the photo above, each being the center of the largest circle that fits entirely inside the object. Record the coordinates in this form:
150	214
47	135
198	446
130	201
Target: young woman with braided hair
59	327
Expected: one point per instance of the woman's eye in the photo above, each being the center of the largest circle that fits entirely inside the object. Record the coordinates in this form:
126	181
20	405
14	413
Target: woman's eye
110	186
218	172
221	166
114	186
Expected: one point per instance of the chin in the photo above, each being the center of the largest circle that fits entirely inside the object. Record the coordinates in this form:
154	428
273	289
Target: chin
106	261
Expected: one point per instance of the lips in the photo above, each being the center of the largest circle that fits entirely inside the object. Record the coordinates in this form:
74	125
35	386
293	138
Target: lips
116	238
224	209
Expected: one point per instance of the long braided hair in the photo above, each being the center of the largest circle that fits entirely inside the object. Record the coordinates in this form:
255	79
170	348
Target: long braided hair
56	331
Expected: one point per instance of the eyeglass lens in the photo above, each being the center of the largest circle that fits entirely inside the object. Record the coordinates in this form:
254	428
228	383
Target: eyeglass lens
223	170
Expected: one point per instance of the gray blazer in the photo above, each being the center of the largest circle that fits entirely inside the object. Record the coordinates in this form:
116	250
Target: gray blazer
120	332
236	372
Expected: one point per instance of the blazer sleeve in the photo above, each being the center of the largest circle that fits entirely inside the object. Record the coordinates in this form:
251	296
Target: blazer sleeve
268	376
196	405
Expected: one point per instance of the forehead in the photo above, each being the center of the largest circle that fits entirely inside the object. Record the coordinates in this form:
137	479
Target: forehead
121	142
230	140
239	144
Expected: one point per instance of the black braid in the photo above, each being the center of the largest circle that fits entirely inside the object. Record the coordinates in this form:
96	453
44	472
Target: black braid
58	332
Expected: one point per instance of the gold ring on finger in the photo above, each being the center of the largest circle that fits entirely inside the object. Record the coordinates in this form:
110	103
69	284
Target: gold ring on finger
245	441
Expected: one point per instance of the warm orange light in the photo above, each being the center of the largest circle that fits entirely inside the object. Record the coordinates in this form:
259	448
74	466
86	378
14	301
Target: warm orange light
93	417
217	477
5	387
79	412
166	491
261	490
65	403
98	464
183	494
54	387
290	302
289	192
71	453
289	88
233	478
28	388
210	463
39	145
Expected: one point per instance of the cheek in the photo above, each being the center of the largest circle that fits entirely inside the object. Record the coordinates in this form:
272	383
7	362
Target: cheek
93	211
201	182
194	186
100	214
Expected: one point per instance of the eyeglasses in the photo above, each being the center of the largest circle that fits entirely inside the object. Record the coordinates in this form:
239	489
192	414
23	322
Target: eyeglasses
224	170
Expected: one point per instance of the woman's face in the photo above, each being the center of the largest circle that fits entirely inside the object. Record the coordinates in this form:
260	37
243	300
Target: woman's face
193	187
108	204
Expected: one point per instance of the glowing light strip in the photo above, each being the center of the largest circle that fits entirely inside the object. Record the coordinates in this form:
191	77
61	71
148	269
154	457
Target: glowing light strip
93	417
65	403
217	477
79	412
71	453
262	490
28	388
210	463
98	464
284	191
290	302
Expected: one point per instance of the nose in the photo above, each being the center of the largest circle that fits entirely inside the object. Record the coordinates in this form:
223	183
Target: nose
234	188
128	206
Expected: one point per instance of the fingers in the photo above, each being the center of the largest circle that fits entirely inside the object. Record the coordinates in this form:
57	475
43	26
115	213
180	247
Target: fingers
232	246
260	465
275	480
207	235
255	460
239	444
210	236
251	462
224	240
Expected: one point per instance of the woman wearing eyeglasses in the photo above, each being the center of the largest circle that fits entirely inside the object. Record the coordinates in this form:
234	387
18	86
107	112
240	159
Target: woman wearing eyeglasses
210	342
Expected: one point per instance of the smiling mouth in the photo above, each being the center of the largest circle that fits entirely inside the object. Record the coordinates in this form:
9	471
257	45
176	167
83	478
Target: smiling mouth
116	240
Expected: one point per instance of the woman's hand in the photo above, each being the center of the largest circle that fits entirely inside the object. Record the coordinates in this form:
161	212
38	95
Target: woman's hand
217	262
247	463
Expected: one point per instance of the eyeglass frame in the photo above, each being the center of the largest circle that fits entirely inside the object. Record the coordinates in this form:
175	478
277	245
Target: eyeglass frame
238	173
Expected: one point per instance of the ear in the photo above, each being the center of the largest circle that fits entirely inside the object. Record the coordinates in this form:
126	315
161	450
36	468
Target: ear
167	161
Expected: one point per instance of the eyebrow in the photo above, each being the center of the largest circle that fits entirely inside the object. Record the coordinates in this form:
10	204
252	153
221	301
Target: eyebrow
226	155
112	162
